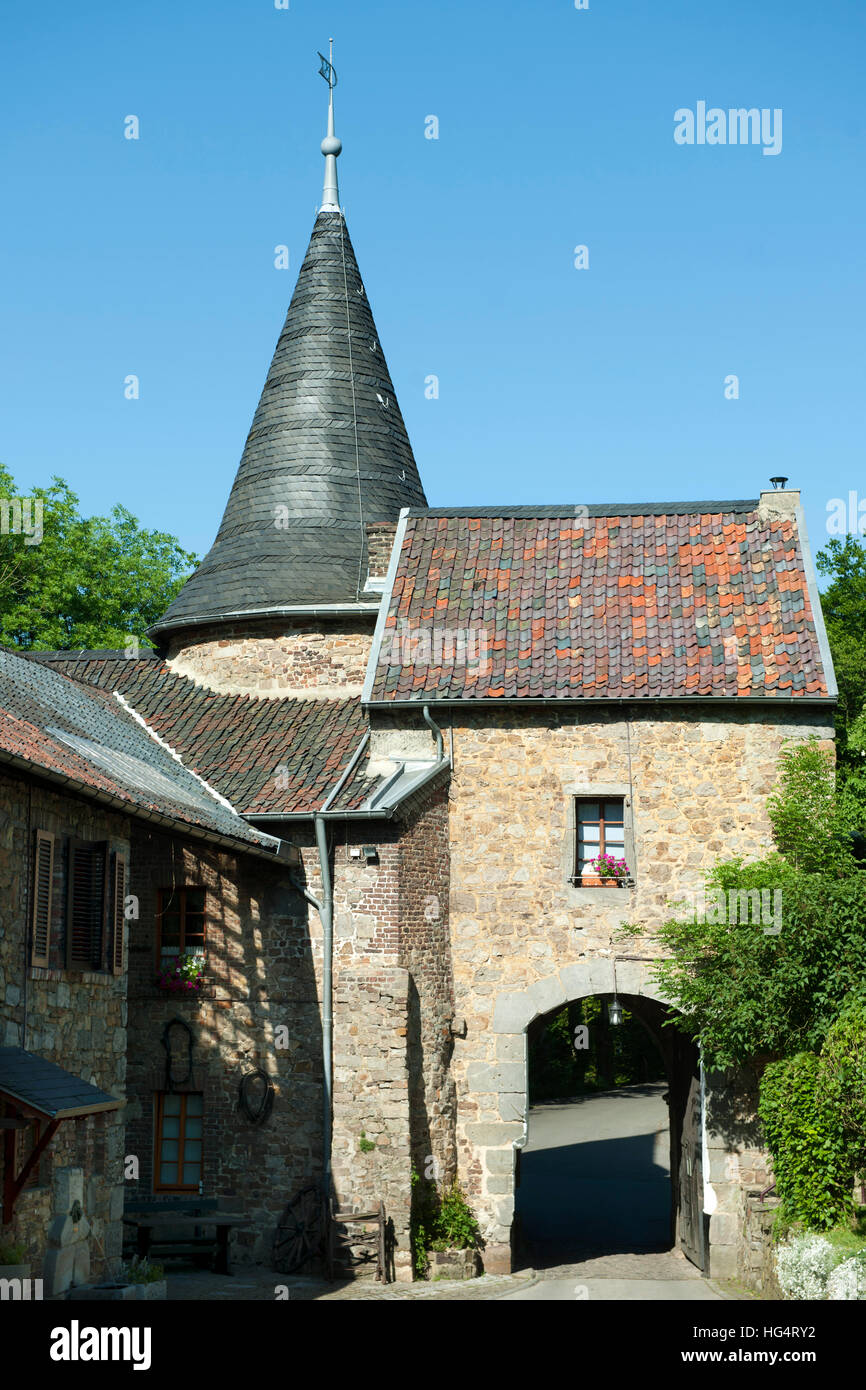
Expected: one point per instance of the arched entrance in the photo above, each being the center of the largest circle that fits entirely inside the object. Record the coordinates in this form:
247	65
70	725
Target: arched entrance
630	980
597	1171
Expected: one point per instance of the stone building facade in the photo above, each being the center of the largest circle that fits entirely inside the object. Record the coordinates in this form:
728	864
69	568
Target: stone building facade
400	711
525	940
69	1017
96	816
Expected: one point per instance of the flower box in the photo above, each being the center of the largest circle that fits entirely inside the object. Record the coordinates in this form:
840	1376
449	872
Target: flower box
185	978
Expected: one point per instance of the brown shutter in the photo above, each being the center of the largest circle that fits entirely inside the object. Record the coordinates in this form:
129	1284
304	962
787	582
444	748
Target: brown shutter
117	915
85	910
43	878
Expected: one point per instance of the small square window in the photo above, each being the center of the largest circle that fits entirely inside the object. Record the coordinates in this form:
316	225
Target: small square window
599	832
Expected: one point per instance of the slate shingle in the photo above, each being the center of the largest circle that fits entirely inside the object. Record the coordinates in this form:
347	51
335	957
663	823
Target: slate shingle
303	453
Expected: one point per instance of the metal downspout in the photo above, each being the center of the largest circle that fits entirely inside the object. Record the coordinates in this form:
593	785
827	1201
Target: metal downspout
440	755
325	909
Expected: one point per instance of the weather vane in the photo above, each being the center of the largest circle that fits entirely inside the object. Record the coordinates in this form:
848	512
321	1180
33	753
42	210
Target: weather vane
327	70
331	145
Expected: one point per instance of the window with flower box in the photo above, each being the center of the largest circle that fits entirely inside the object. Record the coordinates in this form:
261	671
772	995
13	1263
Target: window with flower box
181	925
599	842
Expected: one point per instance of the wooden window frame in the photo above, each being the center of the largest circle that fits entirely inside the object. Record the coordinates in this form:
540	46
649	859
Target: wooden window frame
43	898
166	894
598	799
158	1184
95	959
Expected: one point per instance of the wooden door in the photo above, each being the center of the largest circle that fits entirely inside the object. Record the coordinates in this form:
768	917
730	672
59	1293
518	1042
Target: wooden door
691	1185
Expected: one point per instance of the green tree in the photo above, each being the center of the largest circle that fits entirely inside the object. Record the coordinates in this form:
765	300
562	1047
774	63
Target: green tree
746	990
812	813
90	582
844	606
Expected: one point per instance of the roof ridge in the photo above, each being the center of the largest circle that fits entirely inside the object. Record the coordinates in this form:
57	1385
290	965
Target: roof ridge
573	510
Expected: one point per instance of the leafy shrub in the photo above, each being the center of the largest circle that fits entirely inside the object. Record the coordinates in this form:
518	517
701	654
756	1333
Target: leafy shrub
811	1160
803	1266
441	1220
11	1254
842	1080
456	1227
810	815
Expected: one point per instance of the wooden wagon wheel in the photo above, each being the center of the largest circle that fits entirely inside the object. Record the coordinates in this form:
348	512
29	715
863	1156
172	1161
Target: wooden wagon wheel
300	1236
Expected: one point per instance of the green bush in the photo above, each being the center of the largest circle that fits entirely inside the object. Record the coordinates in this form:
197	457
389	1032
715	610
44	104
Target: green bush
842	1080
811	1158
441	1220
11	1254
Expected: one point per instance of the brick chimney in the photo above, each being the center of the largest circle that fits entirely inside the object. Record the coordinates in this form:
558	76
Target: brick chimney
781	502
380	542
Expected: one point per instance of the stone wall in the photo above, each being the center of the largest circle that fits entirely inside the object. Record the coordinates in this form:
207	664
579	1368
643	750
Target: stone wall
524	939
371	1150
393	1004
300	657
74	1018
756	1250
260	978
425	950
738	1163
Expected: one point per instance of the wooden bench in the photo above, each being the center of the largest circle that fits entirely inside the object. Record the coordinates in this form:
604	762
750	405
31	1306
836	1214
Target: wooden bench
178	1227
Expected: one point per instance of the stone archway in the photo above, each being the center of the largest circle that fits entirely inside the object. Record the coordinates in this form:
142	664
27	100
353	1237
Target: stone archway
507	1078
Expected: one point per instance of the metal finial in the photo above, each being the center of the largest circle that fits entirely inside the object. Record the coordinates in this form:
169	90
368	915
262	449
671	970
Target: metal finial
331	145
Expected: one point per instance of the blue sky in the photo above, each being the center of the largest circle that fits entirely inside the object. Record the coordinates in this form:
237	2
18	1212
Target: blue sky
156	257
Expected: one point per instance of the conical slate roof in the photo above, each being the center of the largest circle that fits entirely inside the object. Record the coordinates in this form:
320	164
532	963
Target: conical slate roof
327	452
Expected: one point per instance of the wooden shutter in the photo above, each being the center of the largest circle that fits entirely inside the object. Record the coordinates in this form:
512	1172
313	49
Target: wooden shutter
85	911
117	914
43	878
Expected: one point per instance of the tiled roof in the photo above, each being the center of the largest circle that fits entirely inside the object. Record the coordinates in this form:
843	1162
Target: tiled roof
327	444
634	605
74	731
266	756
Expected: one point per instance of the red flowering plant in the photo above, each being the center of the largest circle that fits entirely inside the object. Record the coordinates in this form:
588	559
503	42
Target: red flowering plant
608	867
182	976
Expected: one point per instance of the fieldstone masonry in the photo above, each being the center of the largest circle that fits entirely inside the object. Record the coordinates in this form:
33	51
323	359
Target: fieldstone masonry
290	657
525	940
